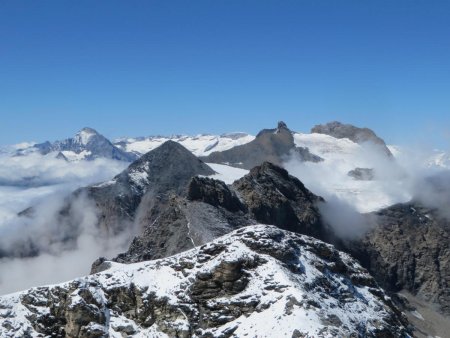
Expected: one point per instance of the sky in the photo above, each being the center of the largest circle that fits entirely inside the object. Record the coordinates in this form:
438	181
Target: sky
136	68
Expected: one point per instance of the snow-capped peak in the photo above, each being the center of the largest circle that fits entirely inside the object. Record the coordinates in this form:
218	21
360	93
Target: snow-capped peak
84	135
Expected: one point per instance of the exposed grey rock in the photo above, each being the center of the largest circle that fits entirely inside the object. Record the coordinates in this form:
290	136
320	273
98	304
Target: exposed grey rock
355	134
268	194
272	145
410	250
214	192
272	196
180	225
362	174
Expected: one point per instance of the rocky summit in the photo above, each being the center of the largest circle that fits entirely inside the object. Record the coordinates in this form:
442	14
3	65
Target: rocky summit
272	145
355	134
259	281
148	181
268	195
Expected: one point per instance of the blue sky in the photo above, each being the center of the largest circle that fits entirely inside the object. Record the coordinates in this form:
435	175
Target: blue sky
167	67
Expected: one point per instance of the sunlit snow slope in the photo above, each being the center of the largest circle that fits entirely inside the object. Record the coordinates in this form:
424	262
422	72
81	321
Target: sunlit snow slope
200	145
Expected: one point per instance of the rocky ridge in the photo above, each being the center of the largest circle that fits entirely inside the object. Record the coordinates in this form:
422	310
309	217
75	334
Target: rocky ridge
257	281
268	195
409	250
271	145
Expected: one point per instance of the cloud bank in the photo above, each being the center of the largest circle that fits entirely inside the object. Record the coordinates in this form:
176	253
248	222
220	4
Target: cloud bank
65	248
410	176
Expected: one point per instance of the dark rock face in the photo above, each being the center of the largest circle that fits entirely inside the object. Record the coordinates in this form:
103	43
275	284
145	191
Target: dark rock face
180	225
147	182
88	140
272	145
272	196
362	174
220	289
214	192
410	249
268	194
355	134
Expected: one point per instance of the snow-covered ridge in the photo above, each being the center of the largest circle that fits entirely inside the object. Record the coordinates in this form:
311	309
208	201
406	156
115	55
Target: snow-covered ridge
258	281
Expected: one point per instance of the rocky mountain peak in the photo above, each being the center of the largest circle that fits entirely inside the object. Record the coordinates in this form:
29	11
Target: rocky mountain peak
355	134
272	196
273	145
281	125
170	166
146	184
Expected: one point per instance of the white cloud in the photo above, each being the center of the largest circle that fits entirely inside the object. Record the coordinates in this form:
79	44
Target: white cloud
44	182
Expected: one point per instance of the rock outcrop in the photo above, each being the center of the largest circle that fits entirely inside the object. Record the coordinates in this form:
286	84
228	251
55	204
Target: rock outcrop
257	281
410	250
362	174
272	196
271	145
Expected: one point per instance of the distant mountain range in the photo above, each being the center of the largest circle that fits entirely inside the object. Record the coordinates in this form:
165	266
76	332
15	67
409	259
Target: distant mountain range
88	144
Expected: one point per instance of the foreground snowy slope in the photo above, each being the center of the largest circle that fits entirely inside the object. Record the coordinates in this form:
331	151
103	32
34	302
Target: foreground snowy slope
258	281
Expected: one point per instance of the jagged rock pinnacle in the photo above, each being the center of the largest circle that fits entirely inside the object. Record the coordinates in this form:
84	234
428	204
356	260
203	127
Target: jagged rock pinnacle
282	125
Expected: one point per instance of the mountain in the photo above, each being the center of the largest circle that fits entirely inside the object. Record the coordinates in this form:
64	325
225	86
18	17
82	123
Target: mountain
120	206
86	144
169	200
410	250
271	145
355	134
272	196
379	182
146	182
259	281
199	145
268	194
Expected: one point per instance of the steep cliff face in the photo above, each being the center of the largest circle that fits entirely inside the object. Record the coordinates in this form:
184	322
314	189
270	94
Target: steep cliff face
257	281
272	196
410	250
